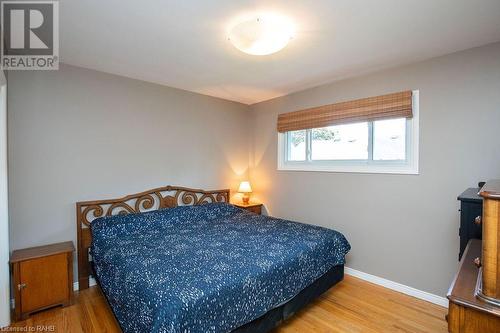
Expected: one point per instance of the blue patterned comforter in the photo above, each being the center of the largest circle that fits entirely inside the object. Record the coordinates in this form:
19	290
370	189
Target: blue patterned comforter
209	268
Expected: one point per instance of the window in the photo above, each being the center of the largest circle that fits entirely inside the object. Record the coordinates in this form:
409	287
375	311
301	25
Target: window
378	146
341	142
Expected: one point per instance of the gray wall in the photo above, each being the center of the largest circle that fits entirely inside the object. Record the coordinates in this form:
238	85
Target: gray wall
401	227
77	134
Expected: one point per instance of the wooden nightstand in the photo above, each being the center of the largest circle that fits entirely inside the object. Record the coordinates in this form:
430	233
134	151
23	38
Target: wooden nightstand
251	207
43	277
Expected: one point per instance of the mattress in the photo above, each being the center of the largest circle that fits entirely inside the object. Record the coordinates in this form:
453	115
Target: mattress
208	268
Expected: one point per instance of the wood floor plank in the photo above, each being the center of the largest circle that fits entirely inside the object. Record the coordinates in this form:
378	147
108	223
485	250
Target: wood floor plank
353	306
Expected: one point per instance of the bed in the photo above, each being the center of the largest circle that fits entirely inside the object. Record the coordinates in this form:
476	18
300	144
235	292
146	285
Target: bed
181	260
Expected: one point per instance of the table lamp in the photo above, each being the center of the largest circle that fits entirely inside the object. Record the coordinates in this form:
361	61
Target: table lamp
245	188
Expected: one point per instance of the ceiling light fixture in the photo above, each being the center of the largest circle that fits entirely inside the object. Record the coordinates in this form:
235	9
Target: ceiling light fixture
262	35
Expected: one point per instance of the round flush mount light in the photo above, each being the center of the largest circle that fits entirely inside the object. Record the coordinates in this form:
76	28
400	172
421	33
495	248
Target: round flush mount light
261	34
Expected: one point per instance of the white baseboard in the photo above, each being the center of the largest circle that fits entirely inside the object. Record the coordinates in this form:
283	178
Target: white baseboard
420	294
92	282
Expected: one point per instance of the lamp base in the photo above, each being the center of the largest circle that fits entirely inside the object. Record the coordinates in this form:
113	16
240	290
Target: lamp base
245	199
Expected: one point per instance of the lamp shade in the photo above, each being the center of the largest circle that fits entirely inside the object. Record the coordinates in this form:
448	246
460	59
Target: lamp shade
245	187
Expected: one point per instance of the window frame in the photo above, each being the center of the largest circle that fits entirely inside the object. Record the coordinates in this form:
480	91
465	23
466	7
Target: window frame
408	166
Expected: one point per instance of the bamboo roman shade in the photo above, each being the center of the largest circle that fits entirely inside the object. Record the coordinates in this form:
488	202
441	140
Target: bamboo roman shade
395	105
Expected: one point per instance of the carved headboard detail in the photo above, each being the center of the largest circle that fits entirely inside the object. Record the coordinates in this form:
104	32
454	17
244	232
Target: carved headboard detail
158	198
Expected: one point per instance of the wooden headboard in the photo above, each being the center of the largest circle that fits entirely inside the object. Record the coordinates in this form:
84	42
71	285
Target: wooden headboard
158	198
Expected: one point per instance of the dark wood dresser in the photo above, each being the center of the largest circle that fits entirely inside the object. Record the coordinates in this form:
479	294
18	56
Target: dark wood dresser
474	294
471	209
467	313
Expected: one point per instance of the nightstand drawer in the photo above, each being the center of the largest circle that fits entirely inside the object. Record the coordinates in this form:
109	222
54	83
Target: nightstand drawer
254	208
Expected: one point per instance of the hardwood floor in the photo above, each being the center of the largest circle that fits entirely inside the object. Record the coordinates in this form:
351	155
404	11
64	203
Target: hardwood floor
356	306
351	306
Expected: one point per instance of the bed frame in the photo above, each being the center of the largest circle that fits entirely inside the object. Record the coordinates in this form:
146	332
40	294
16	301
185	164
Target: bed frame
158	198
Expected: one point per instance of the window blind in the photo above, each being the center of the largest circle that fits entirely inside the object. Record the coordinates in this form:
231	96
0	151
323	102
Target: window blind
395	105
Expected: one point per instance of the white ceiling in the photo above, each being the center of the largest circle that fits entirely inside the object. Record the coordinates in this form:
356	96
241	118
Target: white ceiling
183	44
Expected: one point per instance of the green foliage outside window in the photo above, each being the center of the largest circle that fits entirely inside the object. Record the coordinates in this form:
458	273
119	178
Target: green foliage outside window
317	134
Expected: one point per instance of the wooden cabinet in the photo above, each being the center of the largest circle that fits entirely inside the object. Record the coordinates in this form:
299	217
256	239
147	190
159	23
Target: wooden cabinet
475	293
467	313
490	259
254	208
42	277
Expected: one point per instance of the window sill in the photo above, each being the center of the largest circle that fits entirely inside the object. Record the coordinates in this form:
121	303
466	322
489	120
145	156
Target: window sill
369	169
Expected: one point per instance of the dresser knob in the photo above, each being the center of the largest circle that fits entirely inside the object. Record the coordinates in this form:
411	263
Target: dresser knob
477	220
477	262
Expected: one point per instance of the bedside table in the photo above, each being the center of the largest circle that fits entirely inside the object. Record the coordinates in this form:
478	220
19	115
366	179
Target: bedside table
43	277
251	207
